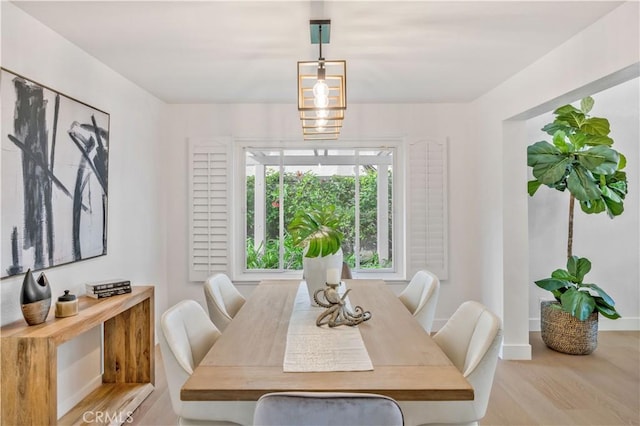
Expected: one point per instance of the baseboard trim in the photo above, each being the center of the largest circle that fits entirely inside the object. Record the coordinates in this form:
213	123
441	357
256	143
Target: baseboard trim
604	324
516	352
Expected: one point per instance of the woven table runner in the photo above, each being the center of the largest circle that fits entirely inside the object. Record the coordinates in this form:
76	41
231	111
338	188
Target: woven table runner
311	348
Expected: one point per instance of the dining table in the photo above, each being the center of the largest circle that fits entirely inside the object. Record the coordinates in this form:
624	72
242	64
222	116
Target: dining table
247	360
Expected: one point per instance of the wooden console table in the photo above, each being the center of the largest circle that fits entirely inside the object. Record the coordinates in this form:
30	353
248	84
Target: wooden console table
29	361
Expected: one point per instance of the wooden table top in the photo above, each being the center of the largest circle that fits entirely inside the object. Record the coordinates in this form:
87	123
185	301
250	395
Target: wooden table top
91	312
246	361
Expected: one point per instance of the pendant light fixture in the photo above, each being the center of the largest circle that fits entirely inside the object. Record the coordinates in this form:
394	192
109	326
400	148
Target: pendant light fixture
322	89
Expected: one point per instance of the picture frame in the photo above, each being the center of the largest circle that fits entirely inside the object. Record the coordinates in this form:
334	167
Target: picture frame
54	189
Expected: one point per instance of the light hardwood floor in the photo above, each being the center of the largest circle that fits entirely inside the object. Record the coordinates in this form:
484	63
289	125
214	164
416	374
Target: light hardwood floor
601	389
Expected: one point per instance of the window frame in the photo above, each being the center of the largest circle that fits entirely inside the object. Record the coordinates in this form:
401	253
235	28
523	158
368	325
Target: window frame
239	273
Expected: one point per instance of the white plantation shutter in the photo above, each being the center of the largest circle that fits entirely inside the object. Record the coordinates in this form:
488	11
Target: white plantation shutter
209	208
427	234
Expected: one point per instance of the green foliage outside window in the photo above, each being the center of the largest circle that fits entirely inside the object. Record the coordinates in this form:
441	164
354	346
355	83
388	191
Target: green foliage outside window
304	190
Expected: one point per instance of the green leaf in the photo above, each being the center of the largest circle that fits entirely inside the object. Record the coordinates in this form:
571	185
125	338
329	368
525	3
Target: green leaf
606	309
608	312
618	182
560	142
580	304
622	162
551	173
570	116
574	119
552	128
610	194
613	209
599	159
532	186
548	162
542	152
578	140
581	184
561	274
578	267
615	192
593	206
316	228
314	248
596	126
600	301
619	187
594	140
605	297
552	284
586	104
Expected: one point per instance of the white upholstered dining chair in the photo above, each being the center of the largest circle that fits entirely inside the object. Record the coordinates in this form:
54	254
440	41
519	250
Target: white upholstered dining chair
223	300
186	334
471	339
420	297
326	408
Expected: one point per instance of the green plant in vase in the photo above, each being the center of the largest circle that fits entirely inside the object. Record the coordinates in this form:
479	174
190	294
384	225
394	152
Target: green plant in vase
316	230
580	161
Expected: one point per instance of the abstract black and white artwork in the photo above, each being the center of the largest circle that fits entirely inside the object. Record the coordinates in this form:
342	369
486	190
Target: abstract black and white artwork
55	162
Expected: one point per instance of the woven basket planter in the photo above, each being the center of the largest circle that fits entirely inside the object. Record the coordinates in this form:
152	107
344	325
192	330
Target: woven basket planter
563	332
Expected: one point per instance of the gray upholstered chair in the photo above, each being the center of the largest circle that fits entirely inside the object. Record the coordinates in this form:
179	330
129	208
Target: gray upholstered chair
323	408
471	339
420	297
223	300
186	334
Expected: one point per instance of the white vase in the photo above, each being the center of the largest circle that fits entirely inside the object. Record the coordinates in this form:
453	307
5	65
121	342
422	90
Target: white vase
315	270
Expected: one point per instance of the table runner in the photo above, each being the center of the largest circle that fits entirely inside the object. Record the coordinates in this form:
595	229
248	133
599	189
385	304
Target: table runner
311	348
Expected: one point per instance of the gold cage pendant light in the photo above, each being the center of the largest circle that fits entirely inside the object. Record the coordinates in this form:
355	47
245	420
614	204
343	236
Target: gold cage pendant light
322	89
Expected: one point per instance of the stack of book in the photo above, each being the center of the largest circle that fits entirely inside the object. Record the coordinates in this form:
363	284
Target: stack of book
108	288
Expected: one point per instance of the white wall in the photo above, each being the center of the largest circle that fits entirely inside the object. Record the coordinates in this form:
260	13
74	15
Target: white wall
611	245
136	237
412	122
602	55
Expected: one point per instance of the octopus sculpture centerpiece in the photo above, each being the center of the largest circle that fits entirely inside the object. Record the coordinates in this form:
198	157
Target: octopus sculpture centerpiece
337	312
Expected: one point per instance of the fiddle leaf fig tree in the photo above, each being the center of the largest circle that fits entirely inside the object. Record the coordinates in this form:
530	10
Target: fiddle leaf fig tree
579	160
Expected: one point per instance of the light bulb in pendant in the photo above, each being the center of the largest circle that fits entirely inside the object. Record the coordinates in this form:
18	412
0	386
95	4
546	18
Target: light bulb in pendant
321	101
320	89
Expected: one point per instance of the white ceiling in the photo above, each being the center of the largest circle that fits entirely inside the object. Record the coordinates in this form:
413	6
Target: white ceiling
246	51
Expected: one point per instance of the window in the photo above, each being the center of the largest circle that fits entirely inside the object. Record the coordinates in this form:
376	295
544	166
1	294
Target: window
242	195
358	182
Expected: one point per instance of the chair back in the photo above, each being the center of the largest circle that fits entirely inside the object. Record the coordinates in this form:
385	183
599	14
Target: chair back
223	300
186	335
471	339
421	297
323	408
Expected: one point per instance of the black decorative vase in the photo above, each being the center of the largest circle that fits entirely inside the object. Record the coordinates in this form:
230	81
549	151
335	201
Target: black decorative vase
35	298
